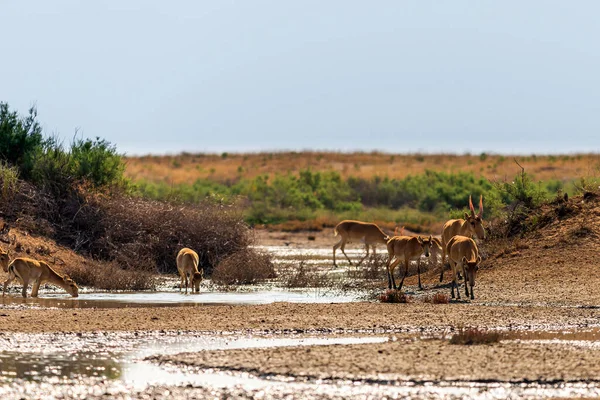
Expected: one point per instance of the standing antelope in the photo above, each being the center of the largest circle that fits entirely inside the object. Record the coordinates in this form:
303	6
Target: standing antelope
4	260
39	272
463	251
471	225
357	230
187	265
406	248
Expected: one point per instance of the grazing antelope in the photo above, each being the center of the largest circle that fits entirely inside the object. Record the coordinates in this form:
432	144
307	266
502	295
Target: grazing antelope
39	272
406	248
4	260
357	230
187	265
462	251
471	225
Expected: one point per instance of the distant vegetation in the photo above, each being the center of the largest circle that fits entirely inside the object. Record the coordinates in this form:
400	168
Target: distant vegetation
312	190
324	198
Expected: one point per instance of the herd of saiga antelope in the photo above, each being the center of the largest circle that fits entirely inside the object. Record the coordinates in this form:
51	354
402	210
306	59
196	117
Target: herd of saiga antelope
456	242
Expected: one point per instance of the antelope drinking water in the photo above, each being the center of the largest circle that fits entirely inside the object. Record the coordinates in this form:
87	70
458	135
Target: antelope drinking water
463	252
187	265
38	272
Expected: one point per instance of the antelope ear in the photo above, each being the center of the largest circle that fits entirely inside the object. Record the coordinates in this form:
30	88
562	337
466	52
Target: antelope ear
430	238
420	240
464	260
202	272
467	216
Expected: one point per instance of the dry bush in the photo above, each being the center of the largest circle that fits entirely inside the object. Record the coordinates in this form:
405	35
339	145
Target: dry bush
394	296
109	276
244	267
438	298
303	276
144	234
472	336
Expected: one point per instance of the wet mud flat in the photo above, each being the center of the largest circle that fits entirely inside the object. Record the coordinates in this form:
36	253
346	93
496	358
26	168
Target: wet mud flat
186	364
300	350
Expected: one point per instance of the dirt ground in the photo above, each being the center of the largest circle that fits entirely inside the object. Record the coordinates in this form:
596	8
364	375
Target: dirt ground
427	360
362	316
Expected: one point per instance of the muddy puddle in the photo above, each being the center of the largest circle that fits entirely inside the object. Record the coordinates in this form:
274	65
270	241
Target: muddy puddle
93	365
173	299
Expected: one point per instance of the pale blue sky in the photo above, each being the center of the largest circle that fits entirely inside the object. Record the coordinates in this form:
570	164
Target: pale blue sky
399	76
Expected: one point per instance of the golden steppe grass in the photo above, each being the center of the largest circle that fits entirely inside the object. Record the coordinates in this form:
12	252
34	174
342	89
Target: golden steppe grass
230	167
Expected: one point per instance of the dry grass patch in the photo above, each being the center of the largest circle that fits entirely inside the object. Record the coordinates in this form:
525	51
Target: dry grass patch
305	276
394	296
438	298
472	336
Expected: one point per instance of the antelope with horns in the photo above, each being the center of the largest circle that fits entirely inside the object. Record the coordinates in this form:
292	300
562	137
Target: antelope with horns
471	225
38	272
406	248
349	231
187	265
462	251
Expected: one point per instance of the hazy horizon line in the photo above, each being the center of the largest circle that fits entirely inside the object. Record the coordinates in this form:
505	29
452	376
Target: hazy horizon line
374	152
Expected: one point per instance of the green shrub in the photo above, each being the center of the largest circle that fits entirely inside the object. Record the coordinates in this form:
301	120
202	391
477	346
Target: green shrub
95	162
20	139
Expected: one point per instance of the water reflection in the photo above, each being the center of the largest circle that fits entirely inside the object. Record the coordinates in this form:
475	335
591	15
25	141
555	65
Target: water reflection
36	366
174	299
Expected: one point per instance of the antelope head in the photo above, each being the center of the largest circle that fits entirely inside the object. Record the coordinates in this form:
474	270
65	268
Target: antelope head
4	260
475	221
70	286
426	244
197	278
471	267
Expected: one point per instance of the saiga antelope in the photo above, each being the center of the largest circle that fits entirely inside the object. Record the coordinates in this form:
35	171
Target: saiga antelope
406	248
462	251
357	230
471	225
187	265
39	272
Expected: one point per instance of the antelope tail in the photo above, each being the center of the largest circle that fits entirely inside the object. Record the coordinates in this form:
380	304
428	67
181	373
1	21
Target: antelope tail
335	232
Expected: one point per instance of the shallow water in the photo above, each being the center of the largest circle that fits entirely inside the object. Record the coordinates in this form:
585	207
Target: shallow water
93	364
174	299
